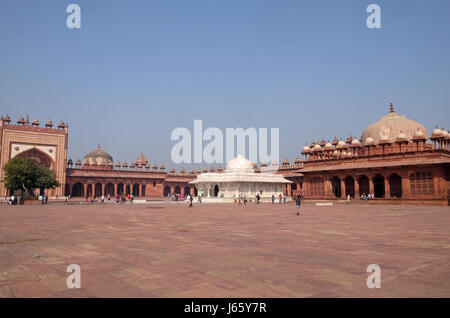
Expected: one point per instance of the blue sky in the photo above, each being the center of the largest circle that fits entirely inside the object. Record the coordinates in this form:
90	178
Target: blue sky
138	69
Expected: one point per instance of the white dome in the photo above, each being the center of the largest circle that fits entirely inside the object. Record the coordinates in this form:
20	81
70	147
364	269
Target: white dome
369	141
239	164
436	131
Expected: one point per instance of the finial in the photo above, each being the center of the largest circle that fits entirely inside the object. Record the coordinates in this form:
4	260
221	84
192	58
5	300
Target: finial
98	146
391	108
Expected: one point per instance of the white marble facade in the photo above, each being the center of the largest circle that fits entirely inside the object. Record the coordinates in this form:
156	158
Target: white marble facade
239	178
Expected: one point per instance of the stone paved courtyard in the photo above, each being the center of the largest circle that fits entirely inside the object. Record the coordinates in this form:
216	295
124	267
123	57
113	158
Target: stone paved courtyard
224	250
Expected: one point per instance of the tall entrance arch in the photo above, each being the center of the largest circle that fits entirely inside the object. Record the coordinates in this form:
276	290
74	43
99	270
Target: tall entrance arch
395	185
378	185
350	186
336	186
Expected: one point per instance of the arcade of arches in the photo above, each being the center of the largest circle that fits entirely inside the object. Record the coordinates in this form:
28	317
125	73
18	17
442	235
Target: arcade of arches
420	184
113	188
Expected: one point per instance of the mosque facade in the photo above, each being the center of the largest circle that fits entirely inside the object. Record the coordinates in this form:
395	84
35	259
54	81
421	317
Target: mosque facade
396	160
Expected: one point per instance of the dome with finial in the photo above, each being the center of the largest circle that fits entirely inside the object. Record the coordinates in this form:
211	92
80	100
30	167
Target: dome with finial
239	164
141	159
384	139
192	171
132	165
401	137
7	119
436	133
323	143
312	144
99	157
211	169
125	164
155	166
306	150
70	162
49	124
328	146
117	164
317	148
162	167
390	126
444	133
297	161
369	141
335	141
35	122
198	170
341	145
172	170
61	125
182	170
285	162
419	135
219	169
78	163
21	121
205	170
355	143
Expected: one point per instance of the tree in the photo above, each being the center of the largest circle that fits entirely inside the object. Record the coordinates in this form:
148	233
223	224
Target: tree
19	174
45	178
23	174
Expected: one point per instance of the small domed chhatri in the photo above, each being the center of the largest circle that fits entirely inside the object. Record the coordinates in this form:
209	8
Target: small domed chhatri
341	145
355	143
98	157
369	141
419	135
328	146
49	124
306	150
390	126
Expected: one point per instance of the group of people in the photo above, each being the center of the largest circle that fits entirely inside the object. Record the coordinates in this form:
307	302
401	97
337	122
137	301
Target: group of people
13	200
281	198
367	196
176	196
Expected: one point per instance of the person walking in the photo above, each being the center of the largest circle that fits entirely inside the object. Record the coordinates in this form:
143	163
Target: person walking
284	198
273	199
46	199
41	199
279	199
298	202
191	198
348	198
102	199
257	198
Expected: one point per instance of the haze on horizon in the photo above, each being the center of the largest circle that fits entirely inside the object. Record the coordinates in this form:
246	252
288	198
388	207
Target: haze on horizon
136	71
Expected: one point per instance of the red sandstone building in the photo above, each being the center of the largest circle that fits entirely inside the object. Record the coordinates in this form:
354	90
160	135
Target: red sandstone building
395	160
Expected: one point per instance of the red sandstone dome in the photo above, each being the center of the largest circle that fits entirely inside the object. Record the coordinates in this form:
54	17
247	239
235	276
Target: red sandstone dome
98	157
390	126
141	160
